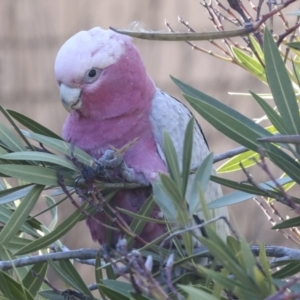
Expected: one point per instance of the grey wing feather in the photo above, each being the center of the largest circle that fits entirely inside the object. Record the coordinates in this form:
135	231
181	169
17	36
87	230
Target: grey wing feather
171	115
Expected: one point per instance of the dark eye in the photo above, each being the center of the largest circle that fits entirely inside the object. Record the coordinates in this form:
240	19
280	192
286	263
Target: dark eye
91	75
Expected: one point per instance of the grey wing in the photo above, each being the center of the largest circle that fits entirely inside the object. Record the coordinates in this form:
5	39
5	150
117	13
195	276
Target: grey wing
171	115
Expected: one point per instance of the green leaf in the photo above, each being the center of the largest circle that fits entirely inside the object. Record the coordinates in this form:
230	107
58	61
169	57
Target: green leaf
294	45
250	64
187	154
32	282
98	273
14	193
53	236
281	86
257	47
197	294
264	263
164	200
16	128
293	222
247	159
202	177
32	125
10	139
50	295
51	204
124	289
228	121
138	224
248	258
68	274
288	270
16	243
20	215
71	272
225	256
12	289
174	193
246	188
5	216
113	293
35	174
273	116
282	160
60	146
230	199
171	159
40	156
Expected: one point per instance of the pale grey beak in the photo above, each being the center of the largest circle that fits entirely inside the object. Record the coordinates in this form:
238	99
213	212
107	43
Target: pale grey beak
70	97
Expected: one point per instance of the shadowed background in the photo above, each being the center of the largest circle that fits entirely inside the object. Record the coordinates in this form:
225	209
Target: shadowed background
32	32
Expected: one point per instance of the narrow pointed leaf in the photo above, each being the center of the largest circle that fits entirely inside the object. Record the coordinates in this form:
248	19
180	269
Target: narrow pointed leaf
14	193
10	139
202	177
196	294
250	64
257	48
16	128
6	214
273	116
249	191
164	200
52	205
20	215
59	231
32	125
289	223
187	154
247	159
67	277
40	156
71	271
138	224
288	270
172	159
32	282
113	293
60	146
12	289
225	119
281	86
282	160
35	174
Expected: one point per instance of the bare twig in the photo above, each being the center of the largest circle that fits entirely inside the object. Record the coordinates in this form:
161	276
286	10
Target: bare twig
229	154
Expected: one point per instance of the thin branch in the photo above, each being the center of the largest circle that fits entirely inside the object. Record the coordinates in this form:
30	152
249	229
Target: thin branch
192	36
230	153
26	261
274	251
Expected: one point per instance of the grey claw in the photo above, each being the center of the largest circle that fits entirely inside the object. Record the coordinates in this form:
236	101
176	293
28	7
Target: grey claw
128	173
109	160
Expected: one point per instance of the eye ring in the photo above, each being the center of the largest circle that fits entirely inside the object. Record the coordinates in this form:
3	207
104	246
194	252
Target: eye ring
91	75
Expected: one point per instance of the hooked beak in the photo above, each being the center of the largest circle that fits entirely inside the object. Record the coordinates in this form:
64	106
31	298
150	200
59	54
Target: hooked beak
70	97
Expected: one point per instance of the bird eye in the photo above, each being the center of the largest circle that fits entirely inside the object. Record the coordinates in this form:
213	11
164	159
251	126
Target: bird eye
91	75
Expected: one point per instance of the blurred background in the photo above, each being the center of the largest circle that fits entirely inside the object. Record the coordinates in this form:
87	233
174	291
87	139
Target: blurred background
31	33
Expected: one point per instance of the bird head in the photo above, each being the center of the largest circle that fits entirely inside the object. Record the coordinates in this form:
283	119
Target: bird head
100	73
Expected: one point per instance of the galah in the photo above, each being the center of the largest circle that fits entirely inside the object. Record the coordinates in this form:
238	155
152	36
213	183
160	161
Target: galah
111	101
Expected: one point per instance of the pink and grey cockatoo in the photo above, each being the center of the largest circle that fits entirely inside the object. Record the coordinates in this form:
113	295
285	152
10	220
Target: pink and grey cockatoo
112	101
